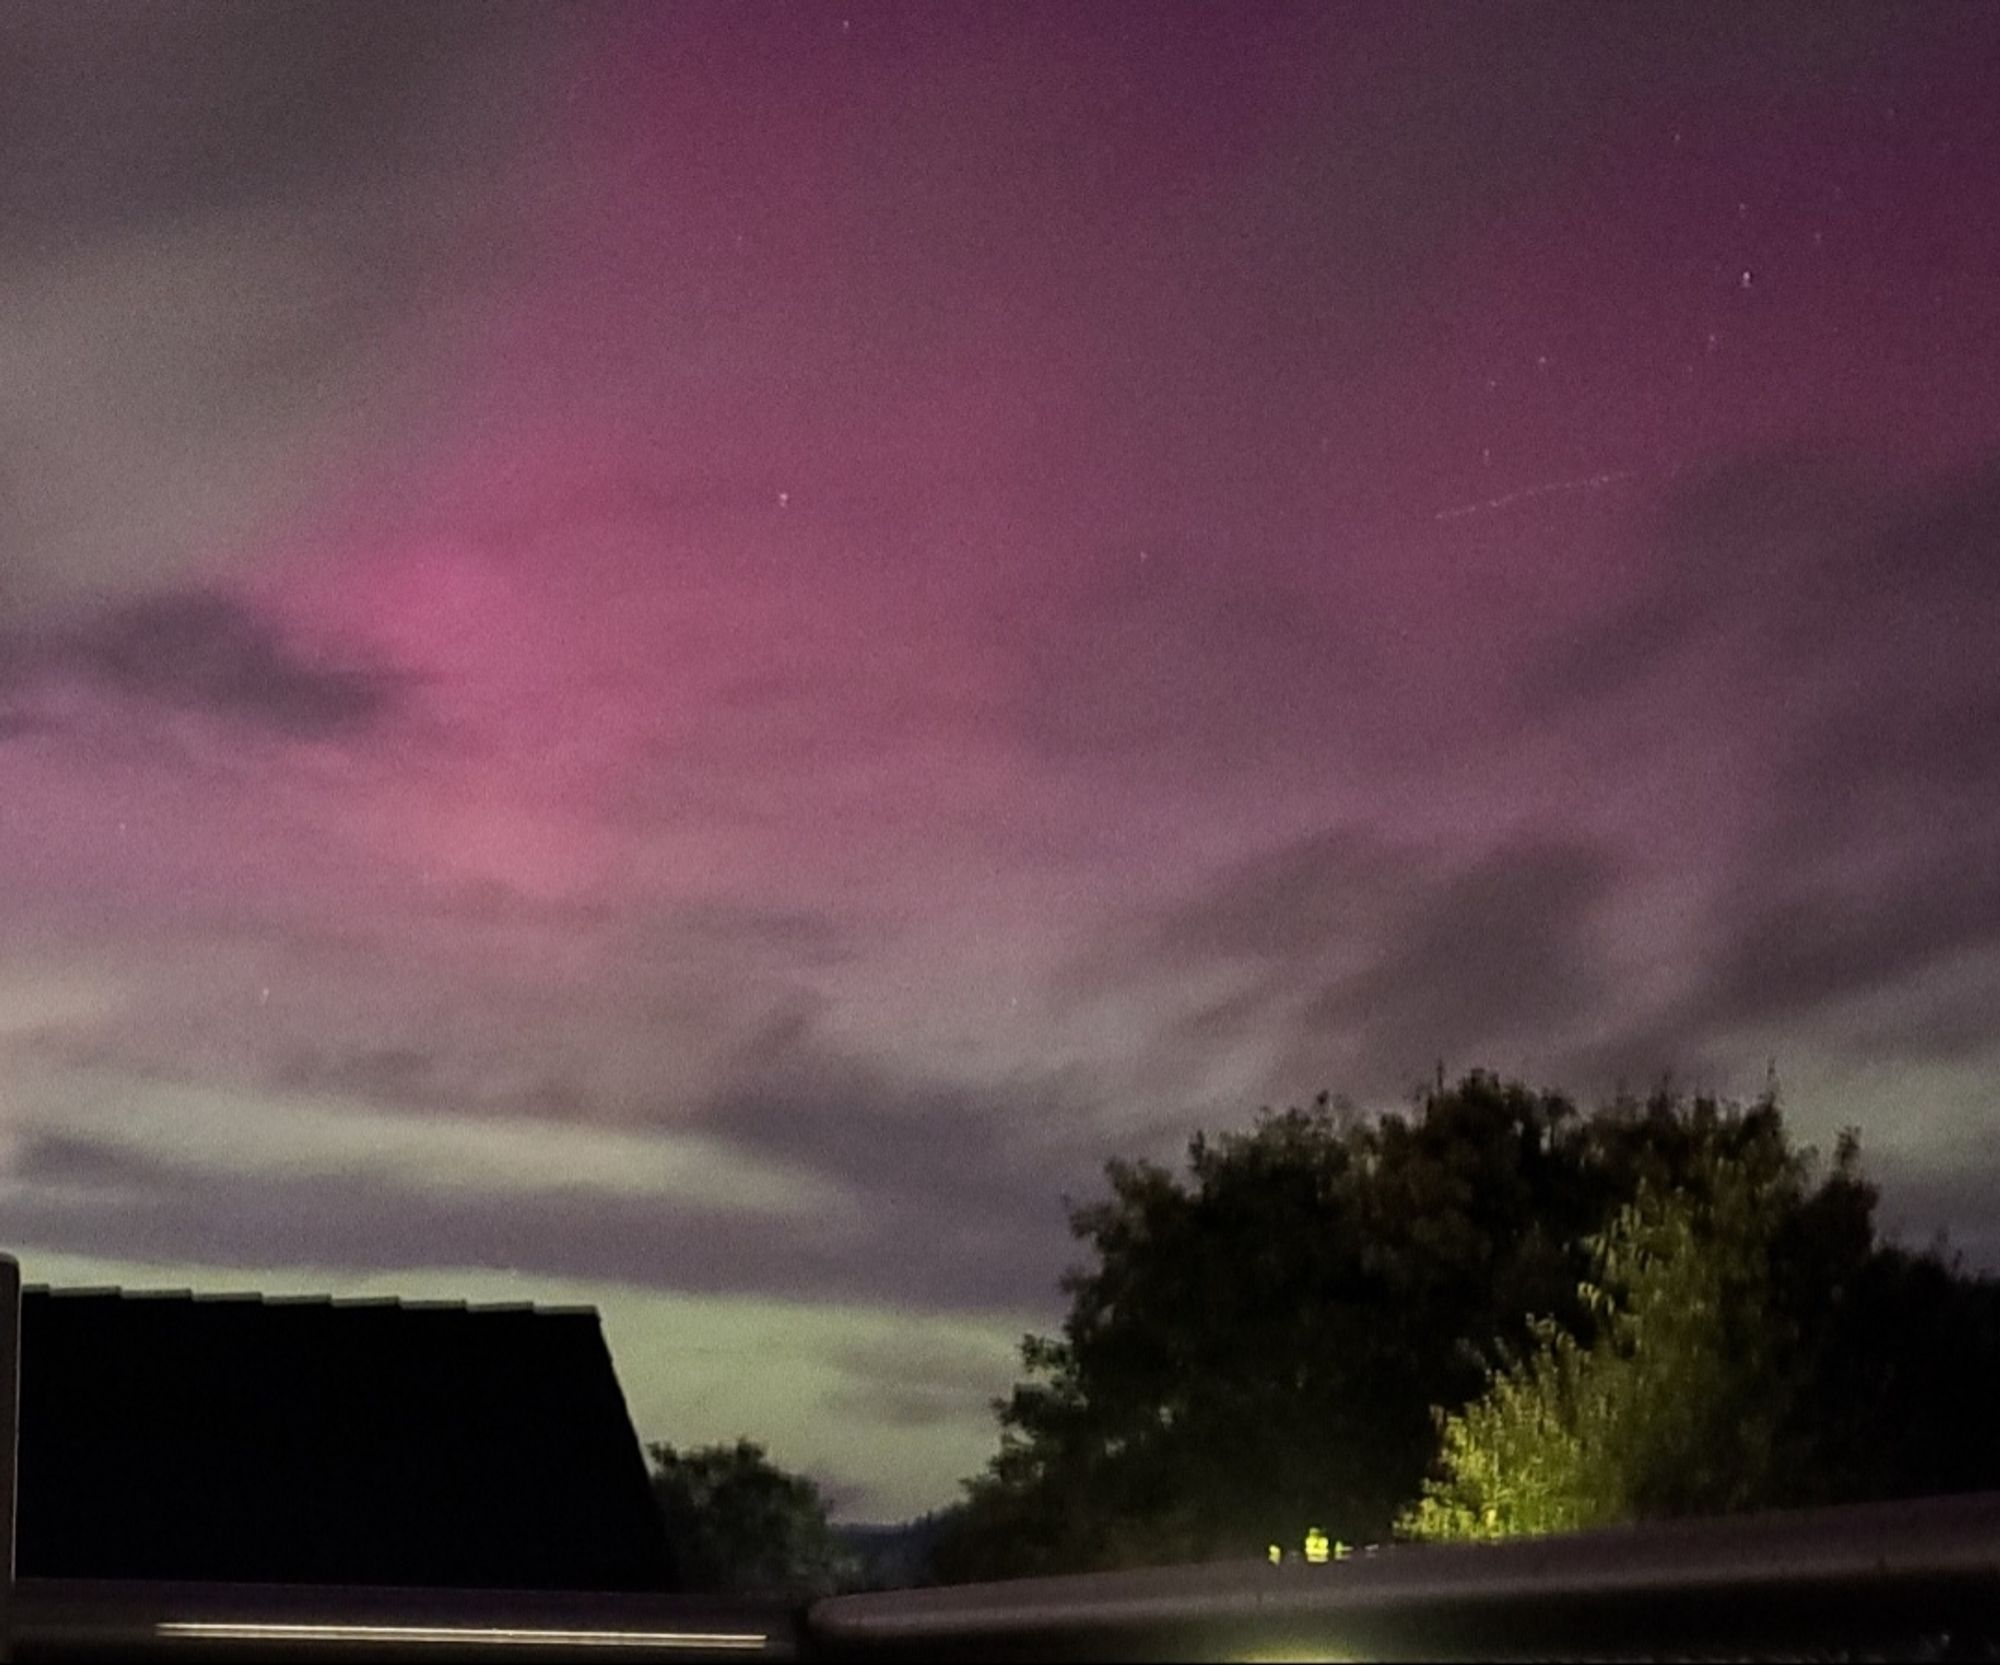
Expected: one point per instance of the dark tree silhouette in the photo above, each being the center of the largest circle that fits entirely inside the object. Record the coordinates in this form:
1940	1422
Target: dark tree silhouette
739	1524
1265	1343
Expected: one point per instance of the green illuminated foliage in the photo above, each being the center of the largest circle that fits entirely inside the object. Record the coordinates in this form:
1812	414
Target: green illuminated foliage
1291	1332
1256	1342
1678	1401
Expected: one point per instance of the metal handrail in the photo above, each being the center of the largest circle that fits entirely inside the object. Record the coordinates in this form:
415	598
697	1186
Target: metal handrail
1895	1579
1907	1570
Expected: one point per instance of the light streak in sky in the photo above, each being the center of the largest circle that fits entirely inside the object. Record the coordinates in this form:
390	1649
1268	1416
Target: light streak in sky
1553	488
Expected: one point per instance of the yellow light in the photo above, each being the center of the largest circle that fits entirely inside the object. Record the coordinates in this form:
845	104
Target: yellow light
1277	1556
1317	1546
1301	1655
258	1630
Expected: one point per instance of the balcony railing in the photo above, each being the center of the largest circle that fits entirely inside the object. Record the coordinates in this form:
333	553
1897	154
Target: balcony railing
1897	1580
1902	1580
1892	1580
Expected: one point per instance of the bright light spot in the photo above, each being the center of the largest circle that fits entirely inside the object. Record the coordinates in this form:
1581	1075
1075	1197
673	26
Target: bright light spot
1318	1545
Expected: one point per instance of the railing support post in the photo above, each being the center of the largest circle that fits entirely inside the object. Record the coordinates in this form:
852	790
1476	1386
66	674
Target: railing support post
10	1439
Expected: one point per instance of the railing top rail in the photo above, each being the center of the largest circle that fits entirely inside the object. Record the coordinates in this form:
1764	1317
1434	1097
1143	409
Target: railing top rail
1869	1546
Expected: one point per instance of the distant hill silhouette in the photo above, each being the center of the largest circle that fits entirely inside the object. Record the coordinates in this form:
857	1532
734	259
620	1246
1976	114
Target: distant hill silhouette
312	1441
891	1557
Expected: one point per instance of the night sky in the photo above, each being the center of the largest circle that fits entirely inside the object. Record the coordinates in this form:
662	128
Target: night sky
689	656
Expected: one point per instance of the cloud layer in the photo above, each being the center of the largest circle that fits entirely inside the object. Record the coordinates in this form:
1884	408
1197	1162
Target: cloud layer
696	655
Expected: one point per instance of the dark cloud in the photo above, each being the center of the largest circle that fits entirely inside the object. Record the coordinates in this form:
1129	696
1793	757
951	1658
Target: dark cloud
1812	572
378	1074
920	1381
801	937
1798	950
94	1199
1284	906
97	1199
61	1160
1719	543
205	652
1846	631
20	725
1881	852
960	1188
960	1175
1946	1018
1501	957
482	1076
1360	963
138	118
224	232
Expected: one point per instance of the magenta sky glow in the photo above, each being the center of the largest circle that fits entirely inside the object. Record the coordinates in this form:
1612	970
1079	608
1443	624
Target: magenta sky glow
690	656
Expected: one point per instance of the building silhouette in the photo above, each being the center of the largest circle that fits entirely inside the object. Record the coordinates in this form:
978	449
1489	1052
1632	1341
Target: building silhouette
246	1440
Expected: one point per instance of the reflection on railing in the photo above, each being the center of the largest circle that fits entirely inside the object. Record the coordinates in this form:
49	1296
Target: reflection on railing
1900	1580
462	1636
1896	1579
80	1619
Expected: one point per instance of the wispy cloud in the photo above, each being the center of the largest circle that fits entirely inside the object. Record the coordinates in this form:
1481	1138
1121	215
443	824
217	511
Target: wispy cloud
221	235
200	652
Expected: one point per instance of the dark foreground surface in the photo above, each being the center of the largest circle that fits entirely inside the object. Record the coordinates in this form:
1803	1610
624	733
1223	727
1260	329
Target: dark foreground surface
1916	1580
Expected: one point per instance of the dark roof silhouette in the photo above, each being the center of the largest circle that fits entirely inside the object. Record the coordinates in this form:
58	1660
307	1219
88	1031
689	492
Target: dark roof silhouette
311	1441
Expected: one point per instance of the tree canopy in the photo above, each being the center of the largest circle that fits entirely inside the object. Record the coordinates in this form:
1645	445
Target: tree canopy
740	1525
1285	1335
1675	1404
1752	1346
